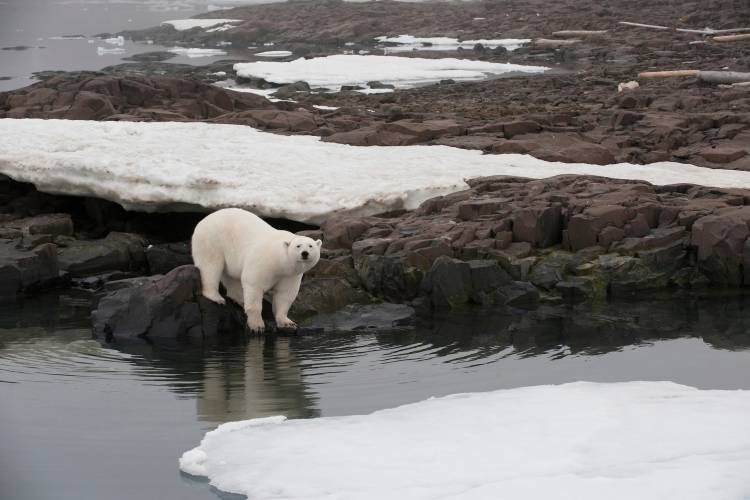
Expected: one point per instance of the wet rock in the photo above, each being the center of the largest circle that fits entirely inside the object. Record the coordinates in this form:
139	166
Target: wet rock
453	284
22	271
383	316
389	277
115	252
325	295
158	307
576	289
520	294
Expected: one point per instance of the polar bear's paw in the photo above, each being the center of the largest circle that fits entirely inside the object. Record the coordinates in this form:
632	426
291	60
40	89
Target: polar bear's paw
256	325
286	324
215	297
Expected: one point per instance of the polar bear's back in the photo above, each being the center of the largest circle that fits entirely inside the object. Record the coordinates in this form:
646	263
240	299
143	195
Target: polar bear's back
229	236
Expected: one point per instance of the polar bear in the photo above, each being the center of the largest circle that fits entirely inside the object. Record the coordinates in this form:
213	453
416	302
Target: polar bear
251	258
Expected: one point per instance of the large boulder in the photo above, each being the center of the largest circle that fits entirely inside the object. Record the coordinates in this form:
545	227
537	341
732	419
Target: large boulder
720	241
161	307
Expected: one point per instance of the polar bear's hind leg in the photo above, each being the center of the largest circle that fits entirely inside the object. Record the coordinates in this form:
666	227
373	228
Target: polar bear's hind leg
210	262
234	288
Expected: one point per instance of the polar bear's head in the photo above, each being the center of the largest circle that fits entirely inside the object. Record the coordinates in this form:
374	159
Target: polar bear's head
304	251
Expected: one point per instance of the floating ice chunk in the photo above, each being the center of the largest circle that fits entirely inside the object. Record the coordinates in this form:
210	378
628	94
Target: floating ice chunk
102	51
196	52
117	40
186	24
579	441
325	108
337	70
274	53
173	166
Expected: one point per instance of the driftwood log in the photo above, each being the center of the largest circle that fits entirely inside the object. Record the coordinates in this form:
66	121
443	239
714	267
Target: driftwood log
704	31
547	43
577	33
731	38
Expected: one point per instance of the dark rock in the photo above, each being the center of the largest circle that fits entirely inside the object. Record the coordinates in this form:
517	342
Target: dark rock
26	270
325	295
166	307
575	290
520	294
115	252
448	283
164	257
352	318
380	85
720	241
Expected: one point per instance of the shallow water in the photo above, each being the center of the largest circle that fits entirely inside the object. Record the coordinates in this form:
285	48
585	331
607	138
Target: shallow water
81	421
45	28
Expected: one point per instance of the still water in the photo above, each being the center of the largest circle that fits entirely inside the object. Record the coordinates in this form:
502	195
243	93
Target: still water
81	421
42	35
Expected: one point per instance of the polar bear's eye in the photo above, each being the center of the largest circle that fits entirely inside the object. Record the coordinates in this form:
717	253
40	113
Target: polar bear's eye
298	246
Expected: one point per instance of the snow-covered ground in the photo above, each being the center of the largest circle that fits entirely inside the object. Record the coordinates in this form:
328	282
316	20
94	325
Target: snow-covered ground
334	71
196	52
408	42
579	441
186	24
174	165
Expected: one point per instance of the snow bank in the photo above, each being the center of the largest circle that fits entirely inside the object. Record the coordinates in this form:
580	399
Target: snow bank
186	24
192	53
177	166
644	440
334	71
274	53
408	42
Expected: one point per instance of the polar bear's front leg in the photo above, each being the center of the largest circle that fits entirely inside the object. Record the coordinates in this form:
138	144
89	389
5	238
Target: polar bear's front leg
284	294
253	303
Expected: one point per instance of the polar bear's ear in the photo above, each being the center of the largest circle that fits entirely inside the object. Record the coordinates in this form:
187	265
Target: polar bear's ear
287	243
318	242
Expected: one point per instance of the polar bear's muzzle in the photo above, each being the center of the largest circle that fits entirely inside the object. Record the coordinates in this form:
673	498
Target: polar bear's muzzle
305	254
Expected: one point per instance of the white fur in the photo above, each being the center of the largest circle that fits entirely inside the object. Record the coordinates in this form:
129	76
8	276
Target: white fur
251	258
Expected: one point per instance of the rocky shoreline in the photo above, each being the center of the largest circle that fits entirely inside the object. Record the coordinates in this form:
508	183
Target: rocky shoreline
505	242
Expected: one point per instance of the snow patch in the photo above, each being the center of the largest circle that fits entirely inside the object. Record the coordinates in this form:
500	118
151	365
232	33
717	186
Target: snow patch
408	42
177	166
337	70
186	24
647	440
195	52
274	53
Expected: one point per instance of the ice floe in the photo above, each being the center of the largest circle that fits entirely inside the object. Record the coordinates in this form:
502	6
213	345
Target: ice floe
176	166
337	70
186	24
579	441
408	42
102	51
274	53
196	52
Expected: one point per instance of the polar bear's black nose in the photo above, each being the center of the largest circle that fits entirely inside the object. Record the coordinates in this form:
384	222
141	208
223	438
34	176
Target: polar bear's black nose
305	254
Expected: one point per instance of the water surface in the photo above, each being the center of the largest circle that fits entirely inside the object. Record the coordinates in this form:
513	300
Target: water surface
81	421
